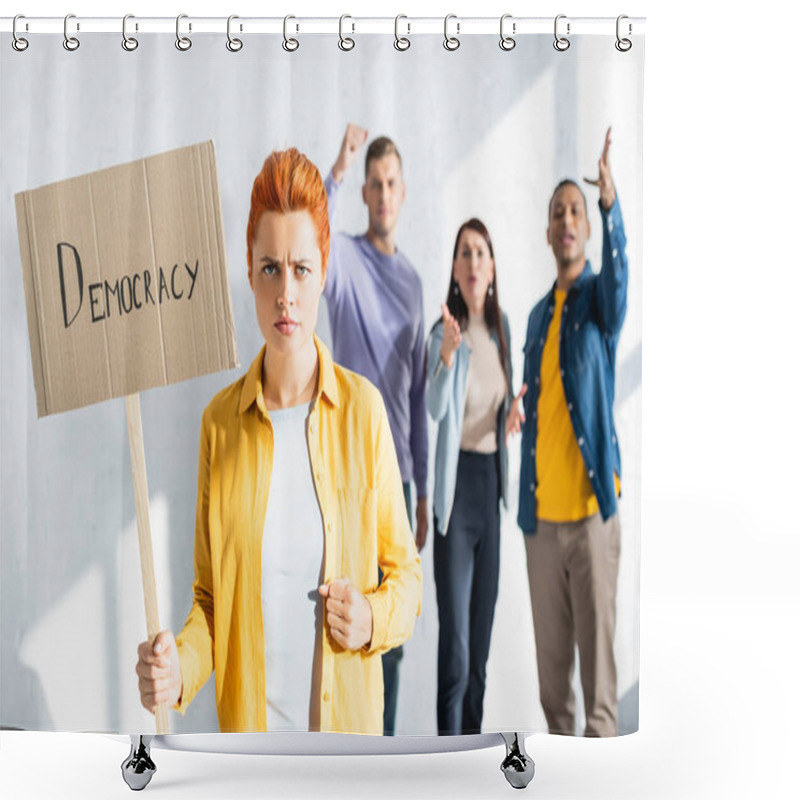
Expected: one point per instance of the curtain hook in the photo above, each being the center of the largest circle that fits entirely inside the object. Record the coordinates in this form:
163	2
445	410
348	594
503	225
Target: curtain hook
70	42
183	43
507	42
233	44
451	42
561	43
401	42
18	42
289	44
623	45
345	42
129	43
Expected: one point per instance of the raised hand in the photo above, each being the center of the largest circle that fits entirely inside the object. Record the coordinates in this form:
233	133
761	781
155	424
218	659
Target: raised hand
604	182
159	672
354	138
452	336
516	415
348	613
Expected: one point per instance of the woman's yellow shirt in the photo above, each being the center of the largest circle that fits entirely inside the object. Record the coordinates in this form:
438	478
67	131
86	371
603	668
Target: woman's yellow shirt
360	492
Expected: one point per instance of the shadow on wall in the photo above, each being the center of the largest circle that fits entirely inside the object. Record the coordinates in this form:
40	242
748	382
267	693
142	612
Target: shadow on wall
28	685
628	711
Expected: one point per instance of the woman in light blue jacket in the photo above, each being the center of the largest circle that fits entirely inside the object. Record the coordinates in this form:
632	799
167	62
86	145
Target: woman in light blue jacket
470	397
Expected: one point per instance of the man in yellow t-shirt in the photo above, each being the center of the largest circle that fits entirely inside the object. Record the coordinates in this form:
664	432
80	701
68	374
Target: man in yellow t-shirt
570	469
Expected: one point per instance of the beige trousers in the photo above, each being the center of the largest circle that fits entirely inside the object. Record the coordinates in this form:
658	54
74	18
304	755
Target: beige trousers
572	573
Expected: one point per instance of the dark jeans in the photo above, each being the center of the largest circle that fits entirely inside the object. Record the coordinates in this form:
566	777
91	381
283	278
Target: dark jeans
391	660
466	567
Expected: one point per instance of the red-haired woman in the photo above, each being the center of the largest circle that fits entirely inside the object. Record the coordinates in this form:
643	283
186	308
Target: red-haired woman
299	502
470	397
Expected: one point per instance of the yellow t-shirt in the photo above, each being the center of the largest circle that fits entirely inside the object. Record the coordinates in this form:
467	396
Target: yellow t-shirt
563	491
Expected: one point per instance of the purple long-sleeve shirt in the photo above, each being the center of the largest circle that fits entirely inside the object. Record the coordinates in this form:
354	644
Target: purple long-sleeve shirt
375	309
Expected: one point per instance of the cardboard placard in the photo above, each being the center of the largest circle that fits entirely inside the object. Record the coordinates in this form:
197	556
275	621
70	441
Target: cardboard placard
126	283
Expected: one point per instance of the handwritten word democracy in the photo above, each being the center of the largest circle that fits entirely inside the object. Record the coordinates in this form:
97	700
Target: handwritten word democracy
125	294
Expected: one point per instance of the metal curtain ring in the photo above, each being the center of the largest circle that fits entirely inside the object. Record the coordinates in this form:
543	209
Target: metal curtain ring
70	42
18	42
623	45
345	42
128	42
561	43
401	42
234	45
507	42
183	43
451	42
289	44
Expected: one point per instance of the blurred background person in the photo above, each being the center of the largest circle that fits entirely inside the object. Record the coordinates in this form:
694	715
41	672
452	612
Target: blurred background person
469	396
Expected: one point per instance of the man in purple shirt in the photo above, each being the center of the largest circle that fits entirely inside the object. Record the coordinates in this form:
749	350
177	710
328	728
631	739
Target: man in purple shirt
374	300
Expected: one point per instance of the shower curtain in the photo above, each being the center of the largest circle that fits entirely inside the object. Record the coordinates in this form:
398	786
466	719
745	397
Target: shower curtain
483	132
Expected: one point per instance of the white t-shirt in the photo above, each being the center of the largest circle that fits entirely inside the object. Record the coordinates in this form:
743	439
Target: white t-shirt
291	571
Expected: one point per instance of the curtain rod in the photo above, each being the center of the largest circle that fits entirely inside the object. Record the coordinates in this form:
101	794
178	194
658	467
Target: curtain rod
347	25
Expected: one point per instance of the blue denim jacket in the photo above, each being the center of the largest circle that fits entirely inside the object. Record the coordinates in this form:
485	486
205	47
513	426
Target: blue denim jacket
592	318
446	396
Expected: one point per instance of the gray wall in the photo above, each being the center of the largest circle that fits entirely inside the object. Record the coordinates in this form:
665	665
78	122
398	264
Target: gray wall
481	132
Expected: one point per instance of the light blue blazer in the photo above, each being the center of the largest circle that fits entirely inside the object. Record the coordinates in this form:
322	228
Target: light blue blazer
446	397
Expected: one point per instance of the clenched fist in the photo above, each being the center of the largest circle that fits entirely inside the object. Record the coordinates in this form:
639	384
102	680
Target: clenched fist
348	613
354	138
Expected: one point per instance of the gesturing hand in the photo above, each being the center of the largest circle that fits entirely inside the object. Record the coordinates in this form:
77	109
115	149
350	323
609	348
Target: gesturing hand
452	336
159	672
354	138
607	191
516	415
348	613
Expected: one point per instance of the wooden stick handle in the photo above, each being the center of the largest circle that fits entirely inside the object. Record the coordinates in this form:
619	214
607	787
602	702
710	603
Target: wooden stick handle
136	440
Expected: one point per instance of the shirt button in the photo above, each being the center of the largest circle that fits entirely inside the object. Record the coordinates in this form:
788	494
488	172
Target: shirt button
327	697
329	527
614	439
537	380
580	442
569	406
550	310
565	308
577	326
562	373
610	225
320	475
533	487
533	451
541	341
591	473
614	253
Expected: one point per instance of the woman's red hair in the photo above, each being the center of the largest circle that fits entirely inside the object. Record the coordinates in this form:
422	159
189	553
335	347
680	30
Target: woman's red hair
288	181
